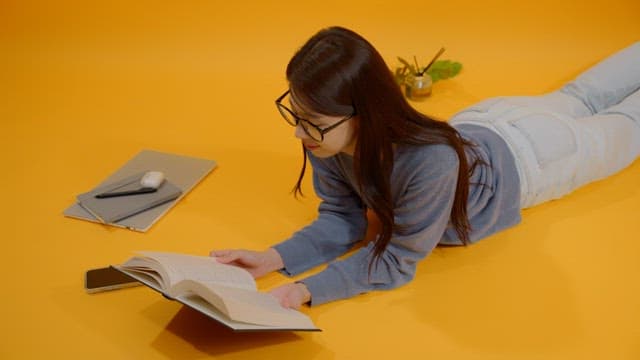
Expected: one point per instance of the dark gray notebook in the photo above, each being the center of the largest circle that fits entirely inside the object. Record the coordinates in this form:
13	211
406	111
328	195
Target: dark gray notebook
110	210
185	172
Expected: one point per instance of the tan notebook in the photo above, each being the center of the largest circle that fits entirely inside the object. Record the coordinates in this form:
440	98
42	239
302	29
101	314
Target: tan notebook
113	209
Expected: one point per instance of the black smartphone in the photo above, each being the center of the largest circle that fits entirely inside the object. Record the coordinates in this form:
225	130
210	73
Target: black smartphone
105	279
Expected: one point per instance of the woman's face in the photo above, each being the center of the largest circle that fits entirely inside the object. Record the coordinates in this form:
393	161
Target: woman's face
342	138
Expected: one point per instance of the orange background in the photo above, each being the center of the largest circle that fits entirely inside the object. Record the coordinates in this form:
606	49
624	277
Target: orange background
86	85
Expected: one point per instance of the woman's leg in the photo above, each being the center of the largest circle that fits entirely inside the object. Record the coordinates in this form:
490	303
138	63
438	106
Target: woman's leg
598	88
608	82
586	131
610	140
556	102
556	153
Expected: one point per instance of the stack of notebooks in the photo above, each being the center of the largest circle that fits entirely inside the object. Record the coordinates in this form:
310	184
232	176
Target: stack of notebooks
139	212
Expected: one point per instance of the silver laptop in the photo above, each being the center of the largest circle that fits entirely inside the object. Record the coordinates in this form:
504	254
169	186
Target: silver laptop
183	172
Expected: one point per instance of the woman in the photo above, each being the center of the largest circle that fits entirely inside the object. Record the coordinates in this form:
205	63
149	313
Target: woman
430	182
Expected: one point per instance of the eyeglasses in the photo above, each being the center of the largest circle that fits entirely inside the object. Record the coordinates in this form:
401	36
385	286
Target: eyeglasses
314	131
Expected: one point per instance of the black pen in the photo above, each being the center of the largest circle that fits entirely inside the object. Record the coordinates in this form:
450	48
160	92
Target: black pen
127	193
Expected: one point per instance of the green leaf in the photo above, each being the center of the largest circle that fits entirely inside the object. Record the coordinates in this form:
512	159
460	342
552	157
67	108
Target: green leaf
444	69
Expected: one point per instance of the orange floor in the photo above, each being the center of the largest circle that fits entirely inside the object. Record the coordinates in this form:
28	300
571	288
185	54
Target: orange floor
85	86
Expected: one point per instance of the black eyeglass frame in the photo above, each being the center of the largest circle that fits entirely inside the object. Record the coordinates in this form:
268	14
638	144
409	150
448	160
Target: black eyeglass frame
322	132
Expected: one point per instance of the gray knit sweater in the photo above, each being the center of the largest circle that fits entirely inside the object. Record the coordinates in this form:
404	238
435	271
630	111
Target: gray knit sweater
423	185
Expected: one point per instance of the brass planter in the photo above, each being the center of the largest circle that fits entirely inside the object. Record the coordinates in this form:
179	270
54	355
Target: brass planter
418	87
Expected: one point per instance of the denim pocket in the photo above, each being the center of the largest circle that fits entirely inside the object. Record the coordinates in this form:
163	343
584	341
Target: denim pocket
549	136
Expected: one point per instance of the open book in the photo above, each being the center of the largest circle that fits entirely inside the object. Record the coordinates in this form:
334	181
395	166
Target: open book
223	292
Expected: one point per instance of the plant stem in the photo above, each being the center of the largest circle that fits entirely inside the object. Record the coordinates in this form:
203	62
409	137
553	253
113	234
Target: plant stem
432	61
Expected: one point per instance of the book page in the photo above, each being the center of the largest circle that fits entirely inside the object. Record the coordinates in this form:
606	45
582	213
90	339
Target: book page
241	305
173	268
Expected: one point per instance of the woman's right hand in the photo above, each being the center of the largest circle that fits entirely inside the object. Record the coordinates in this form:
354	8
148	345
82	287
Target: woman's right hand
257	263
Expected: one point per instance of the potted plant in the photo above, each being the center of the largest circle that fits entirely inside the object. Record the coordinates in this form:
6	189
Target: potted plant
417	81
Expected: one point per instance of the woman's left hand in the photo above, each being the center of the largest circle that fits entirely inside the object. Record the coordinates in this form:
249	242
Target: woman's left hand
292	295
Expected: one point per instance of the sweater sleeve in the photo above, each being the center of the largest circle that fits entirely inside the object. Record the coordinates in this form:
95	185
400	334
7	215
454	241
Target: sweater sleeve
341	221
424	199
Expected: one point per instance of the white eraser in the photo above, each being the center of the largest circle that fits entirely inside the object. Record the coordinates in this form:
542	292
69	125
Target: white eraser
152	179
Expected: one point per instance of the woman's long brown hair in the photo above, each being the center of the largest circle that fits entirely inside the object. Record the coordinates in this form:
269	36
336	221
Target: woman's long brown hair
336	73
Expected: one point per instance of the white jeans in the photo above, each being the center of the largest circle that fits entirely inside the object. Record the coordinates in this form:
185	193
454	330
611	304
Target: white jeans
585	131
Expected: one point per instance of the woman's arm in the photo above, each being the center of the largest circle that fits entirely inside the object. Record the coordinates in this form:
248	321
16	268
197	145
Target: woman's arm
422	212
340	224
341	220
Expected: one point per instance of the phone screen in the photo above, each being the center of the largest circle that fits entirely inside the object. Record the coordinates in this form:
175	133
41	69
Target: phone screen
105	279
